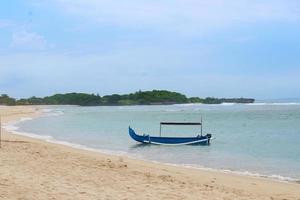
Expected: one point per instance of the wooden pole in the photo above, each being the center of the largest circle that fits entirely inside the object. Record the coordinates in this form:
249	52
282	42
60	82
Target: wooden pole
160	130
0	131
201	125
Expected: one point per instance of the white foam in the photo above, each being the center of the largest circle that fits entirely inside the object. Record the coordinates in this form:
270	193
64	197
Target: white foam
252	104
42	137
25	119
46	110
56	113
242	173
172	110
12	128
251	174
275	104
52	112
256	104
83	147
228	104
286	104
187	104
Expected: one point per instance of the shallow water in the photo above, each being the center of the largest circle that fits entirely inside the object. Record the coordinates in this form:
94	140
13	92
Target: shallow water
261	138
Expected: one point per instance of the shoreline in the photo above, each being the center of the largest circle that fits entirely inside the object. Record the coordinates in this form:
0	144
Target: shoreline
160	168
50	139
13	129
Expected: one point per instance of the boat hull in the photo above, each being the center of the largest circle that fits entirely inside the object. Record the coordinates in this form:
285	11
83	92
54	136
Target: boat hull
147	139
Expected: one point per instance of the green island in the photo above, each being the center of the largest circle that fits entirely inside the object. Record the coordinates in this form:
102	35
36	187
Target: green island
154	97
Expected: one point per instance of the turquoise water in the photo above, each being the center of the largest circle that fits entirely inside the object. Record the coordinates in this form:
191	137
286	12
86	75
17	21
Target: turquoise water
262	138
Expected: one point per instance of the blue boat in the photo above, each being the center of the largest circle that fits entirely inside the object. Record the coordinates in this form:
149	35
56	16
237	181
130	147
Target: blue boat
147	139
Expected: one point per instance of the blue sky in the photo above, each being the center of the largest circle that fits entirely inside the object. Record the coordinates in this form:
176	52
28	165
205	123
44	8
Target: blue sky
220	48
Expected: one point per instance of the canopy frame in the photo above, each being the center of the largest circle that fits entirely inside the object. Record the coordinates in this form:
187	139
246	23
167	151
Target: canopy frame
181	124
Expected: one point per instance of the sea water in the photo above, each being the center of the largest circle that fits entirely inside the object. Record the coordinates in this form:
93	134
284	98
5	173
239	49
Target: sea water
255	139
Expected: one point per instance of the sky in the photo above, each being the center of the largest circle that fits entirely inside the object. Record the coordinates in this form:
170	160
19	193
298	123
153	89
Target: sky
218	48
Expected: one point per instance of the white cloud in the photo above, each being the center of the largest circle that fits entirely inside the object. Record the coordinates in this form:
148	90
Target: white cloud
28	41
180	15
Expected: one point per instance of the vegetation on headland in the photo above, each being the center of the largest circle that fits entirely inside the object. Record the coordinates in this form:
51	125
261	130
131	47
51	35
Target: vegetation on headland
6	100
155	97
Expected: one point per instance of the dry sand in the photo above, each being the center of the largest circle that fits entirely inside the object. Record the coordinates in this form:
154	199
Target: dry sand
34	169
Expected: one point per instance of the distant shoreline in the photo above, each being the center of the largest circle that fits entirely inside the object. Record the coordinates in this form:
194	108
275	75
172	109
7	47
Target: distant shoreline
154	97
